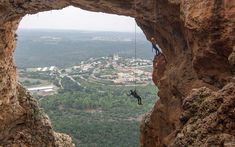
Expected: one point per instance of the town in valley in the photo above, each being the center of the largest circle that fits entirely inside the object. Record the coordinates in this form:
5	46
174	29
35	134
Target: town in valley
112	70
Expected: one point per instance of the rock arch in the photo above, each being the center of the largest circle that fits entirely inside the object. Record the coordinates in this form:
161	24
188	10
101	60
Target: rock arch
197	37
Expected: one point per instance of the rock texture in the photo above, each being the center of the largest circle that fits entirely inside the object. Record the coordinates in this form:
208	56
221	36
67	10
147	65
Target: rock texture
196	84
32	127
208	118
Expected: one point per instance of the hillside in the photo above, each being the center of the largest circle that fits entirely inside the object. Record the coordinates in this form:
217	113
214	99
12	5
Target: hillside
99	116
63	48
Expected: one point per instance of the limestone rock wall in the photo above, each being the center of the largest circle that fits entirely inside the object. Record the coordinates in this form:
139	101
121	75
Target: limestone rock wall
208	118
30	126
197	38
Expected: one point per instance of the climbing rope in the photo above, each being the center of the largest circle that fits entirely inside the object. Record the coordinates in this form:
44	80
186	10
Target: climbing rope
134	92
155	17
135	56
135	46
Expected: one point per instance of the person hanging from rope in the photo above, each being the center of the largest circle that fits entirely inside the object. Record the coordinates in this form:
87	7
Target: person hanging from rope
135	95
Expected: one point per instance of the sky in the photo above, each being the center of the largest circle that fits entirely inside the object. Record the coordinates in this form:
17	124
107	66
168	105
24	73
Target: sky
72	18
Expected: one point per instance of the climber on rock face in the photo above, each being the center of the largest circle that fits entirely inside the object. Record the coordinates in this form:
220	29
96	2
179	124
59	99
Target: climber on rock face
157	49
155	46
135	95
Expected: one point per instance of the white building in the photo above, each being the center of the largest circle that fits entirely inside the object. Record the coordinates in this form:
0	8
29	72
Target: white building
52	68
115	57
138	72
43	90
39	69
86	67
76	67
45	69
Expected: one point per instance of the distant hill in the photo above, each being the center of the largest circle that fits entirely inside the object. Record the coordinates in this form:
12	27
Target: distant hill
63	48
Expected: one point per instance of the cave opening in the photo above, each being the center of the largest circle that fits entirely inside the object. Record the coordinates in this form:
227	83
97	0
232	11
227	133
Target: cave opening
197	38
77	76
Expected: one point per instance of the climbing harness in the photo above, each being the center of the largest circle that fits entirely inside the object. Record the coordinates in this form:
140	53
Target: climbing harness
135	95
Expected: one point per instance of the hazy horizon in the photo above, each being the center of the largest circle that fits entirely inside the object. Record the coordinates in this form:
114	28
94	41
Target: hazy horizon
72	18
78	30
